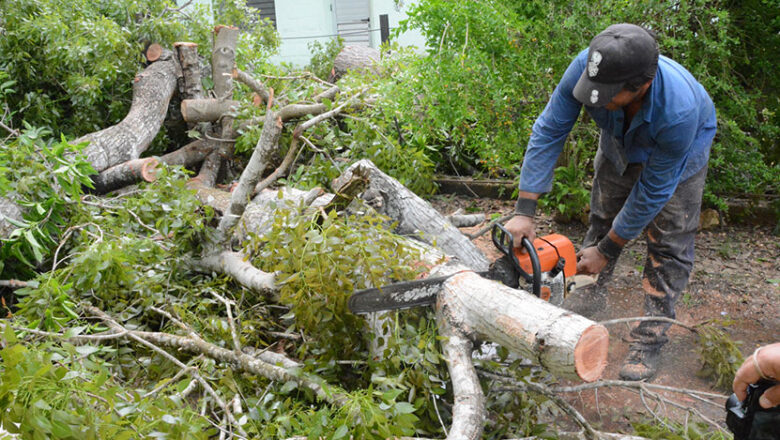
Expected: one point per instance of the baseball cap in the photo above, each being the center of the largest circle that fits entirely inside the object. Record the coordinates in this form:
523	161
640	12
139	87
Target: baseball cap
618	54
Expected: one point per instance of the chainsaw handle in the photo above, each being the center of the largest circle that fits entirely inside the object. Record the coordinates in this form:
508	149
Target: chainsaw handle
503	241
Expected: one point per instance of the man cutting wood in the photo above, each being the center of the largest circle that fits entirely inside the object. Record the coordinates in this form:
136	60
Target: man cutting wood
657	124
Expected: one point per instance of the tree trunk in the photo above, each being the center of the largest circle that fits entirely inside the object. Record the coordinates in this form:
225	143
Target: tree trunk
414	215
190	67
152	90
222	60
353	57
565	344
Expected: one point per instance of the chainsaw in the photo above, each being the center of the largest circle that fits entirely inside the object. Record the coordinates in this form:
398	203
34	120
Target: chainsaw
545	267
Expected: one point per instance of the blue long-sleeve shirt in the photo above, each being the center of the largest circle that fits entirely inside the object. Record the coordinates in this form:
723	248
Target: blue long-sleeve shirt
671	135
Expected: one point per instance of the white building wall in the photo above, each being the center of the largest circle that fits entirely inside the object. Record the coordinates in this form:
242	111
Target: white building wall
394	15
299	23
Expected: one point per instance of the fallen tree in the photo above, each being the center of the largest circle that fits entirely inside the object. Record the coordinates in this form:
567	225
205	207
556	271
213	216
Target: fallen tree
182	243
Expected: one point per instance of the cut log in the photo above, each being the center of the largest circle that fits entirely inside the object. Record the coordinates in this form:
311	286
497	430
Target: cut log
223	58
207	110
187	53
354	58
153	52
565	344
125	174
414	215
152	91
145	169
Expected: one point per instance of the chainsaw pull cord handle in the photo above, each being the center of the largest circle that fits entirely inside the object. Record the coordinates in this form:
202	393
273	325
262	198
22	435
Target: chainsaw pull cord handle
503	241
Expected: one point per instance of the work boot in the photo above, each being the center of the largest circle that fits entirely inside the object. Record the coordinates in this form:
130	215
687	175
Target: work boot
641	362
587	301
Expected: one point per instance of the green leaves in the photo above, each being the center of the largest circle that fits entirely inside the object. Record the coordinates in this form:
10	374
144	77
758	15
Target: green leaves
47	186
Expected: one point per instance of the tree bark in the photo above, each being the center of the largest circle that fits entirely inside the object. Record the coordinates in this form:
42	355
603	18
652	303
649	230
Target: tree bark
206	110
266	146
236	265
8	209
415	216
255	85
223	59
353	57
468	411
190	67
152	90
565	344
125	174
145	169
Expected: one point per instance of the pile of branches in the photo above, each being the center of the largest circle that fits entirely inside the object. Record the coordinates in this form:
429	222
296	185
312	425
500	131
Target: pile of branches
201	369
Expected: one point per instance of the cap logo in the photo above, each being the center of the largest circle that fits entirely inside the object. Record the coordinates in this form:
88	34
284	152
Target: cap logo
594	96
593	64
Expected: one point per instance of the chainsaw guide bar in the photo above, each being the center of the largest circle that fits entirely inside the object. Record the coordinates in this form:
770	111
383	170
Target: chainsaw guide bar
396	296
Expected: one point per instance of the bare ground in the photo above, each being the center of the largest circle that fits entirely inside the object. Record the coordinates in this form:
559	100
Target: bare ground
736	277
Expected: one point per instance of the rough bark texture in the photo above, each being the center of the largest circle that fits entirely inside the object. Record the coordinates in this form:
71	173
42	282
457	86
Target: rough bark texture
125	174
191	87
152	90
222	60
266	146
415	216
353	57
8	209
468	411
145	169
565	344
206	110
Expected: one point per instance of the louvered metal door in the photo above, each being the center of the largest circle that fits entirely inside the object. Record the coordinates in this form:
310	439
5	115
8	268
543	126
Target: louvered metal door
352	22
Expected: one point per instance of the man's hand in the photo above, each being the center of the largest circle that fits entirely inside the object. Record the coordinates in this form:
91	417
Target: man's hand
590	261
521	226
769	363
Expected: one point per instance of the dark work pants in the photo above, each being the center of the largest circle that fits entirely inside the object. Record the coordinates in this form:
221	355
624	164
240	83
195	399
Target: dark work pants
669	241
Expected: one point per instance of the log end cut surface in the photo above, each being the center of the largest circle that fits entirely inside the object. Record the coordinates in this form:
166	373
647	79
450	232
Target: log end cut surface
590	353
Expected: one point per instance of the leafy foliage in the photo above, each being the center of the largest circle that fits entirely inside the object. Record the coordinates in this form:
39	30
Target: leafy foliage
322	260
48	181
74	61
323	55
495	64
64	391
720	355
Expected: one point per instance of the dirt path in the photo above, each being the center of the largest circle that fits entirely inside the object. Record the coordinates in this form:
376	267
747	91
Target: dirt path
736	277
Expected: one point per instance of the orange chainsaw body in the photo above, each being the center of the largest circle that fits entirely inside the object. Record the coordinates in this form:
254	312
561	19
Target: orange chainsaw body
550	248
